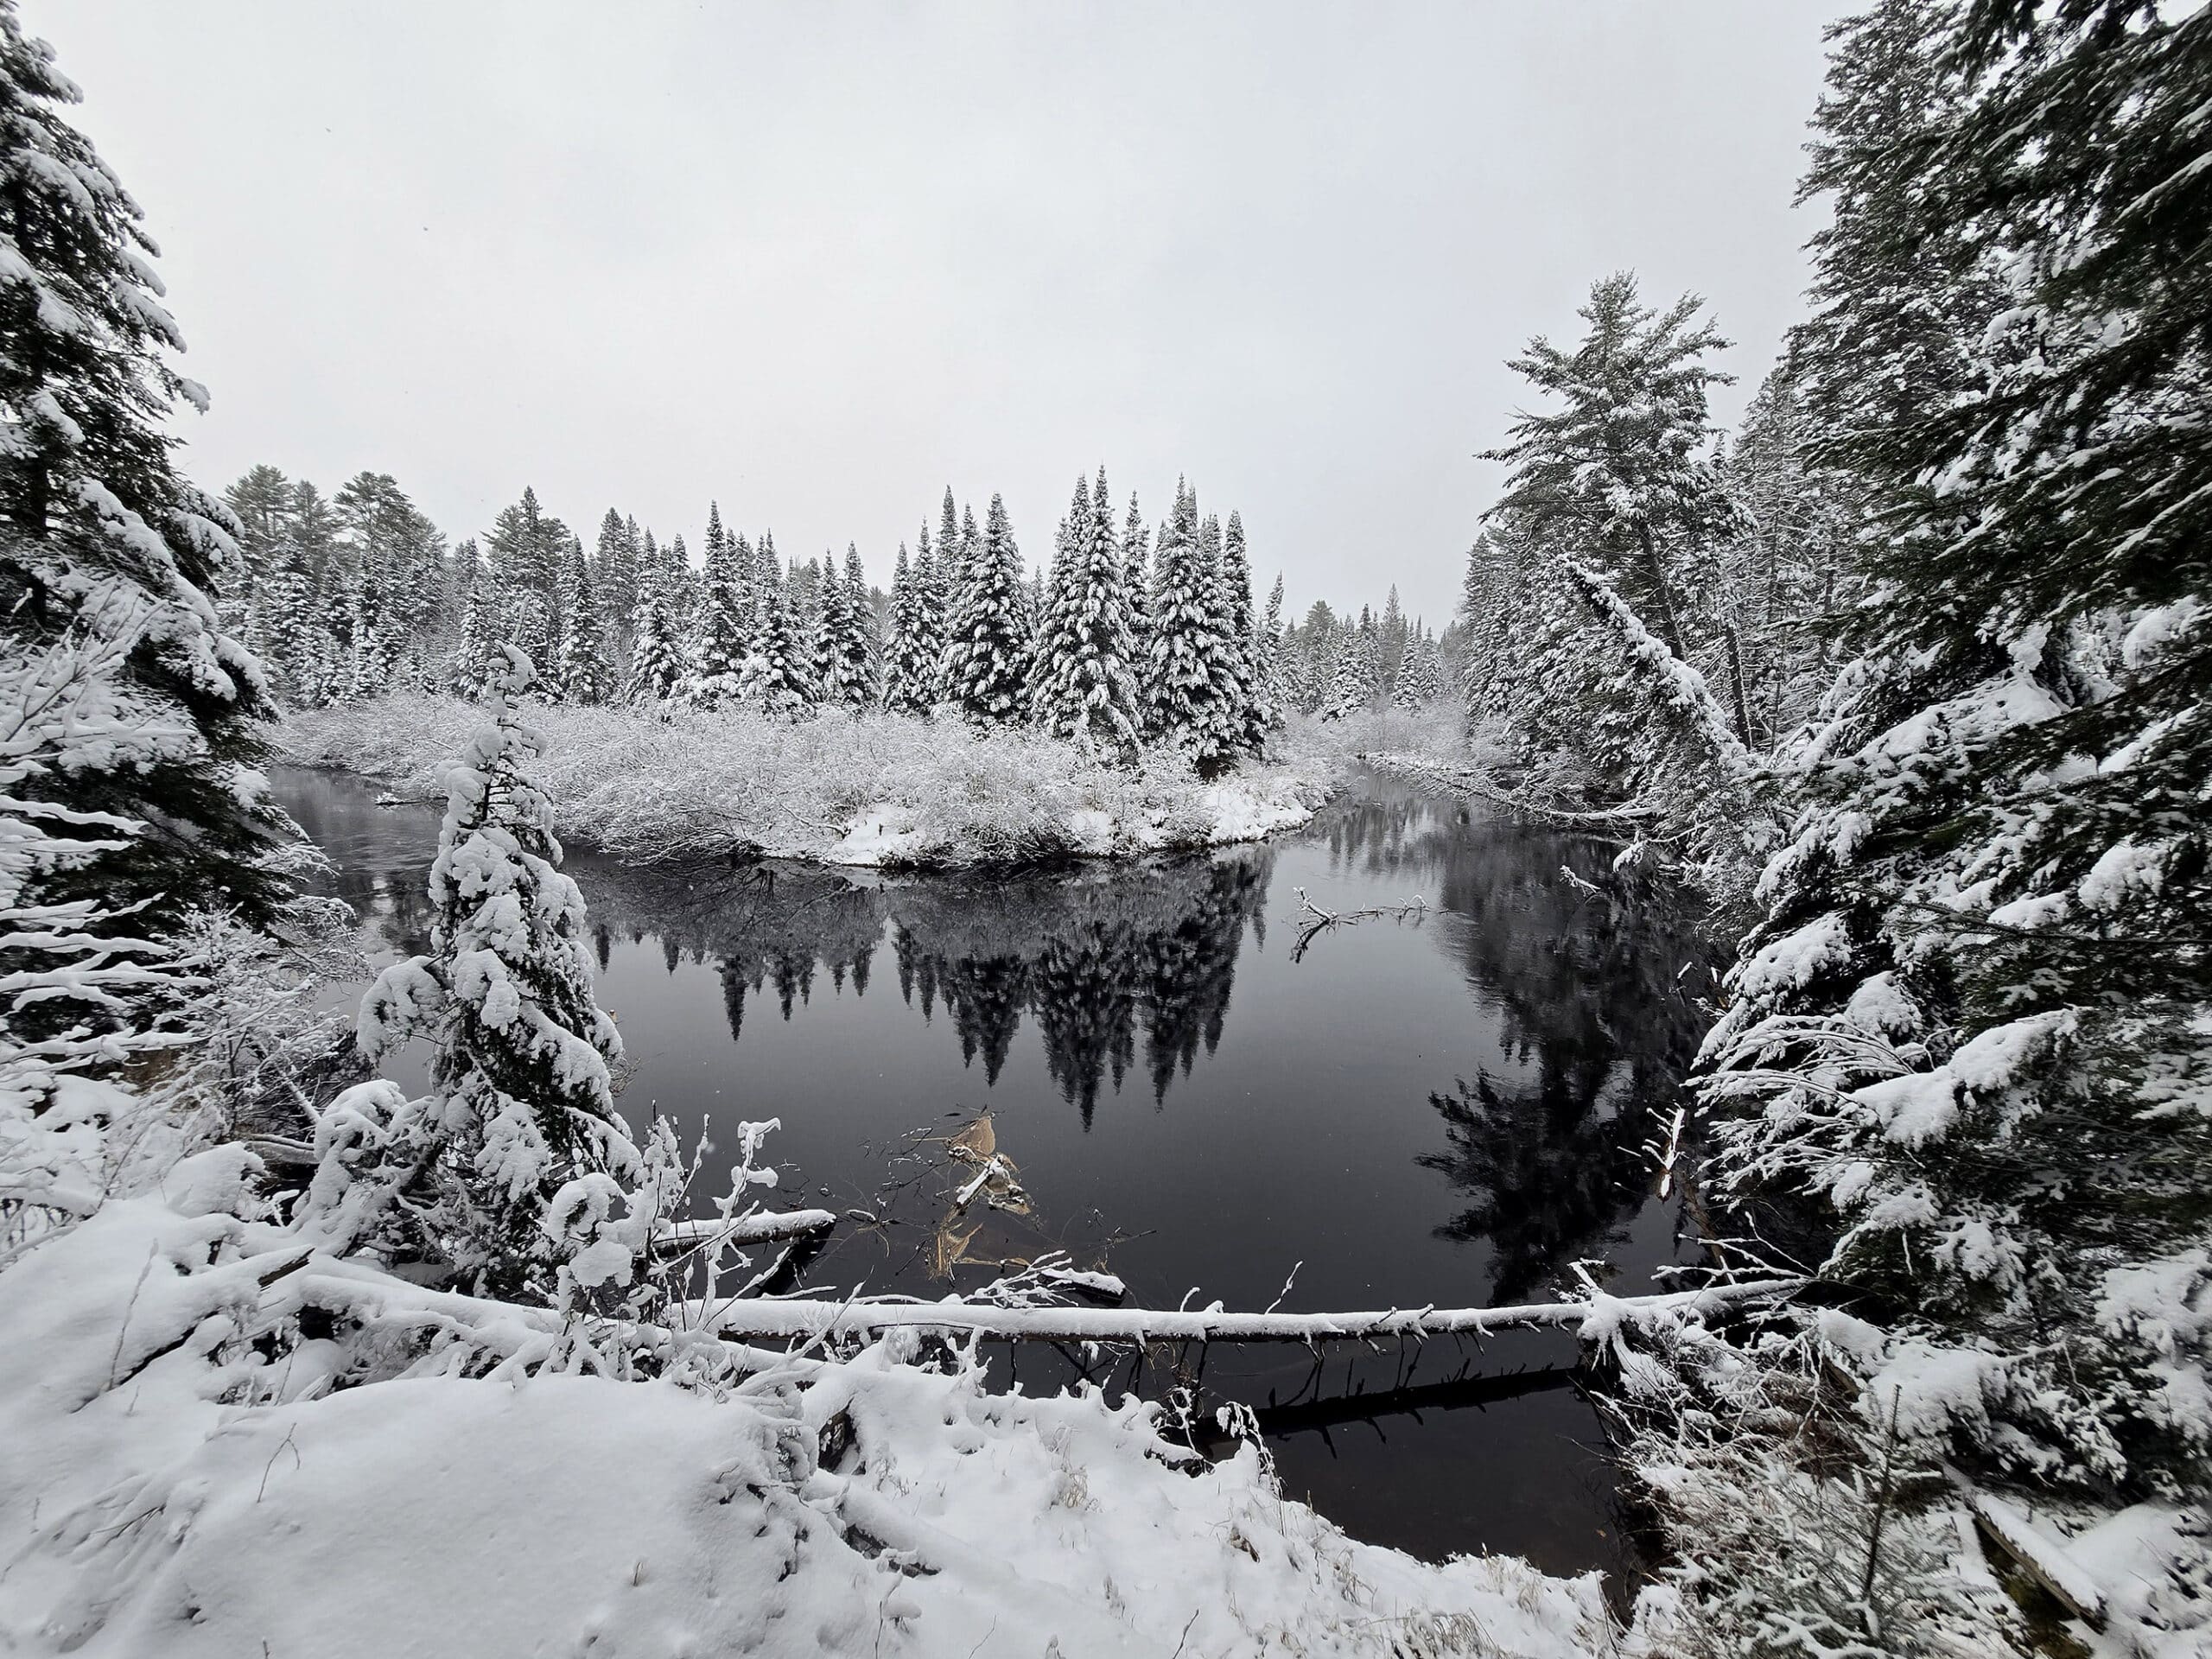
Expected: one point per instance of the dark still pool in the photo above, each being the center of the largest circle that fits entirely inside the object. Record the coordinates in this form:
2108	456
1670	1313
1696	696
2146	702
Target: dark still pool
1187	1084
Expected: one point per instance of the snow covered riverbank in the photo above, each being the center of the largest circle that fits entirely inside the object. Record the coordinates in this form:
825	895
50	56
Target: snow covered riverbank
871	790
224	1441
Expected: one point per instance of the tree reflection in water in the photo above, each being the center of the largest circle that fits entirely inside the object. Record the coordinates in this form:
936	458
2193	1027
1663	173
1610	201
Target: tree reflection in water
1596	995
1096	956
1600	1000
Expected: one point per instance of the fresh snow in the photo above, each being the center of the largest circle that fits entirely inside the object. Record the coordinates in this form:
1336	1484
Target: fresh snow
173	1495
868	790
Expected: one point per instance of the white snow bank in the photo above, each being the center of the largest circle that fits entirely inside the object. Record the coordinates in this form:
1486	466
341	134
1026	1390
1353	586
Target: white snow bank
184	1479
871	790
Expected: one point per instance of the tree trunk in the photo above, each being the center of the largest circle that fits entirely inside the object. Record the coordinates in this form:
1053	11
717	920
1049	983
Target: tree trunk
1662	591
804	1320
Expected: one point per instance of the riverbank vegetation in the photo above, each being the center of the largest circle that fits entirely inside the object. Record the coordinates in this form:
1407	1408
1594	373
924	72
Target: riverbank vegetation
1914	676
856	788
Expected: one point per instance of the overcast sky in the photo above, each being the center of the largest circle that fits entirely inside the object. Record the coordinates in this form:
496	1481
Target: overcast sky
818	262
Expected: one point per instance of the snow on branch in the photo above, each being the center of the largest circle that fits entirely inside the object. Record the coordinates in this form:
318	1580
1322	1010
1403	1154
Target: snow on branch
1683	688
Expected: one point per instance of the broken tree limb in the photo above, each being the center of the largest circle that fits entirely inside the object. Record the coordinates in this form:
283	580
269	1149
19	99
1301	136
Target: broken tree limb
1594	1320
1477	785
758	1228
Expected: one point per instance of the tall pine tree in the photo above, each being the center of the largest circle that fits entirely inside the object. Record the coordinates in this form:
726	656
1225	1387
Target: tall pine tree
987	651
105	538
1085	687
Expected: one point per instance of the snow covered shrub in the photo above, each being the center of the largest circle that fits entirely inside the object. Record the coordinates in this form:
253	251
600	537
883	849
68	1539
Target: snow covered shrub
851	788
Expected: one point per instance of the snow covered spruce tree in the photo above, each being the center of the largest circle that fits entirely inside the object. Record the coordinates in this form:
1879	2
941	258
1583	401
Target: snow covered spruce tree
723	628
513	1177
844	651
587	677
658	666
1187	679
1245	718
1084	688
1977	1020
912	652
776	678
1271	686
101	532
987	651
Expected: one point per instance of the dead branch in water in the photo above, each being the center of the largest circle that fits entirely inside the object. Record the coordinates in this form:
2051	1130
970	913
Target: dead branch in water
1313	920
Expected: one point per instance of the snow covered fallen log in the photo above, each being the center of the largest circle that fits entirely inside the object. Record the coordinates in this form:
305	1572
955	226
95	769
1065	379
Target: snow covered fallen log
1596	1321
761	1228
2043	1558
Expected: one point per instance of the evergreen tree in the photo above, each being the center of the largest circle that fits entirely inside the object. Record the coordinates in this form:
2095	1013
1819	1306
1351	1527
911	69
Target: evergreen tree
107	540
586	675
910	664
1188	673
953	552
844	665
725	623
1085	687
865	648
1270	664
1244	716
931	584
1137	587
614	576
775	679
1394	641
768	578
488	1178
986	649
1974	1020
1616	475
1353	682
1420	673
657	661
477	618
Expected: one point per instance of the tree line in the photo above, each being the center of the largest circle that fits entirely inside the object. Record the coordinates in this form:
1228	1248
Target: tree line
1132	634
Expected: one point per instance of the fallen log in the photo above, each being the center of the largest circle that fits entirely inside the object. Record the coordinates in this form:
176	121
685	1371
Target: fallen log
758	1229
1594	1320
2042	1557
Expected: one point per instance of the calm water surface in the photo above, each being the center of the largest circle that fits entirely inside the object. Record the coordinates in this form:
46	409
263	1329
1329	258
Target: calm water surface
1448	1106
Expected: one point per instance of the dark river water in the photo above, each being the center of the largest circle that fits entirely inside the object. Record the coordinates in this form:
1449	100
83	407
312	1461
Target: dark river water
1448	1106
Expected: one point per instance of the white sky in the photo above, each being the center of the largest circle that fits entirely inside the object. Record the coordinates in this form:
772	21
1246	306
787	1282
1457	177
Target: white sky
820	261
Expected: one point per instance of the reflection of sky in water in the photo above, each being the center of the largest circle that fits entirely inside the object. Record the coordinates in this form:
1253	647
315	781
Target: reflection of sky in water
1448	1109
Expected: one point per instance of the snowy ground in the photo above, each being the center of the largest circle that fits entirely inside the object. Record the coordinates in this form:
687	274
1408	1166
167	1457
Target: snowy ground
869	791
183	1479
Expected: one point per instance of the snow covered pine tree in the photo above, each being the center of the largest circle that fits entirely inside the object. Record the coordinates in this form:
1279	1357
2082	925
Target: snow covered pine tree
101	533
513	1177
1977	1021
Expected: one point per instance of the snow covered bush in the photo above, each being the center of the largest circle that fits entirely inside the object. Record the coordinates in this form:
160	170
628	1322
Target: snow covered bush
854	789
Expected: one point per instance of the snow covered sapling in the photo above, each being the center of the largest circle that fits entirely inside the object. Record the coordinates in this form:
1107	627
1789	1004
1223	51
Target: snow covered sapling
513	1177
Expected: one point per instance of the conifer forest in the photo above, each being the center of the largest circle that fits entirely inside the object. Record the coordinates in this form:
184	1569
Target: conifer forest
1574	1020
